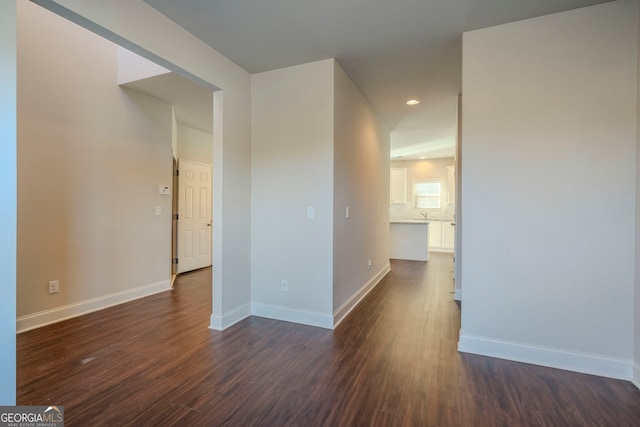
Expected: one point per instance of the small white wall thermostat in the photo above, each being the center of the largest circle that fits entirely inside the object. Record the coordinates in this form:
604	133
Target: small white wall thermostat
165	190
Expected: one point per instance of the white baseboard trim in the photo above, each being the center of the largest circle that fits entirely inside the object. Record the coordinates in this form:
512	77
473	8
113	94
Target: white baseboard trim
636	374
291	315
544	356
457	295
58	314
230	318
354	300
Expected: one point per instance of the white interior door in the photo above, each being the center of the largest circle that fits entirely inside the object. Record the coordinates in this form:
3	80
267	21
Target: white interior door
194	216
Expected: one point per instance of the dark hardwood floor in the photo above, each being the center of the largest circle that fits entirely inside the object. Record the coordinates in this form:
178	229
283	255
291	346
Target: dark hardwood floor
392	362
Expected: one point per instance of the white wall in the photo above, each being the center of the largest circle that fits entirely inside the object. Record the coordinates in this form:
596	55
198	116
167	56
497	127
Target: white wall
174	133
292	169
195	145
133	67
549	108
176	49
361	182
8	206
636	334
91	157
316	144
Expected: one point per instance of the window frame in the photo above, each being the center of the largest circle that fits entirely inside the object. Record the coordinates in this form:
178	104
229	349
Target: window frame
437	197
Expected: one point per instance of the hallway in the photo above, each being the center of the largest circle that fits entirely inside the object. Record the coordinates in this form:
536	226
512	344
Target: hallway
392	362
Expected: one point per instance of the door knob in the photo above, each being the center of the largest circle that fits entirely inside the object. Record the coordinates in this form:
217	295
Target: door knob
453	224
209	225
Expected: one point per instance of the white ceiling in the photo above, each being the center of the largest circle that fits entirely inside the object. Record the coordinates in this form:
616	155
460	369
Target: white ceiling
192	104
393	50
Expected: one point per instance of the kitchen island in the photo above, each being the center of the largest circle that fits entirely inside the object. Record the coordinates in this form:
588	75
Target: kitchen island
409	240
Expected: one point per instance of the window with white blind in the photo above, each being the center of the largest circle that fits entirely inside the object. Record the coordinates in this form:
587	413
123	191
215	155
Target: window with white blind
427	194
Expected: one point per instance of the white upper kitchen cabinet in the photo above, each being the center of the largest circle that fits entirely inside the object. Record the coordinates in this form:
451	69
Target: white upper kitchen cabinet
451	184
398	186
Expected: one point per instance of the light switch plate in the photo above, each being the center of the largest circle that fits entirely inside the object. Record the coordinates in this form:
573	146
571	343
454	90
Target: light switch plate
311	212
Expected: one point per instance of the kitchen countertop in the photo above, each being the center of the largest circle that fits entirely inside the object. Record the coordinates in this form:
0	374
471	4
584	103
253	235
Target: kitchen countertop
417	221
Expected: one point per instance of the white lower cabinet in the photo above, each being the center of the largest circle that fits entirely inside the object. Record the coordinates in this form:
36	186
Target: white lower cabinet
435	234
448	235
442	235
409	240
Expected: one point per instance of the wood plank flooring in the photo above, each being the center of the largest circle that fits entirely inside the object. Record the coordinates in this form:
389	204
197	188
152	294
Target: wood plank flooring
392	362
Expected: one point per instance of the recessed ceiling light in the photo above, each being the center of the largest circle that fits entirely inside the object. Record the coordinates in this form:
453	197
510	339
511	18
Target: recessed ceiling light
413	102
422	158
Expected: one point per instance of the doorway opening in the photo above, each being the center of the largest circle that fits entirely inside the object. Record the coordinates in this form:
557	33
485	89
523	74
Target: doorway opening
425	187
102	171
194	221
